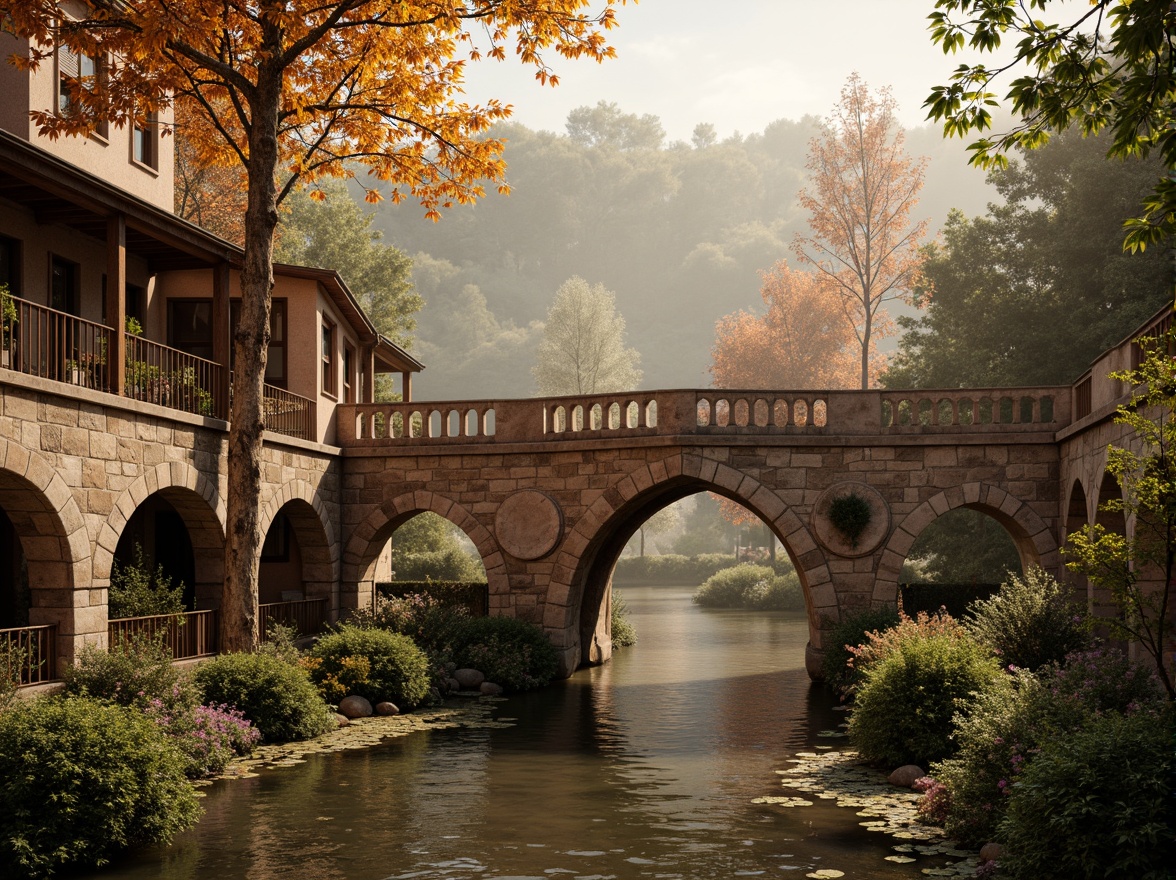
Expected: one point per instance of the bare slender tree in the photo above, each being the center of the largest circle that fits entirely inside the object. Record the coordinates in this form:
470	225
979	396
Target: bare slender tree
583	347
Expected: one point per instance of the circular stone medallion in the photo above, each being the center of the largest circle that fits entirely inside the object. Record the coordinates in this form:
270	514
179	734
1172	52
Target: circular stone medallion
528	524
831	538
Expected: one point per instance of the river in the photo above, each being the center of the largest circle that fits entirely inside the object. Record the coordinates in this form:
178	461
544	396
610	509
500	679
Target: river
645	767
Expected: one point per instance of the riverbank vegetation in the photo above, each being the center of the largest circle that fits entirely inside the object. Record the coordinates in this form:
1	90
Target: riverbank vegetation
108	763
753	588
1030	728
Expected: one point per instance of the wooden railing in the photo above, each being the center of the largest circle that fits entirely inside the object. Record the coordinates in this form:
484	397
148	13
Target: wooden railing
307	616
172	378
54	345
29	653
189	634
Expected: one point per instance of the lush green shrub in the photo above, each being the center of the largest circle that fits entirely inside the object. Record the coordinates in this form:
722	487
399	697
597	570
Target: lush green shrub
371	663
133	672
136	591
1030	622
81	780
1096	803
905	704
624	634
849	633
1007	725
434	624
510	652
670	568
779	593
278	698
450	564
728	588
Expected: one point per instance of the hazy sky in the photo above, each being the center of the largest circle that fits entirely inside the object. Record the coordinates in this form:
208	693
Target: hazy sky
738	64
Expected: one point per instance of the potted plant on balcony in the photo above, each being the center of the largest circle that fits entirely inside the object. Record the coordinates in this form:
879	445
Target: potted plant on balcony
8	319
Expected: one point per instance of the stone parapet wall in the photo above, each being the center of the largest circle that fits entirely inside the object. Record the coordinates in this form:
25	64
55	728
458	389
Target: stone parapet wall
602	490
76	464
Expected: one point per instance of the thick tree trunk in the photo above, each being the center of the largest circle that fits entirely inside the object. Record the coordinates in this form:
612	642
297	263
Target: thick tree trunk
238	614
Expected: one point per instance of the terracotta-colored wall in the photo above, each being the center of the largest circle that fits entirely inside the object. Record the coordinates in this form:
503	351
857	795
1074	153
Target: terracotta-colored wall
38	242
306	306
106	157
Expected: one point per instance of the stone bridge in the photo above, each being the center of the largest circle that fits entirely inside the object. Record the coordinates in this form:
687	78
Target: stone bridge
550	491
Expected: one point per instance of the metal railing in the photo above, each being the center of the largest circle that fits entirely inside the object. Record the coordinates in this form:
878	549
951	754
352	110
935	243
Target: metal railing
307	616
188	634
29	654
55	345
172	378
284	412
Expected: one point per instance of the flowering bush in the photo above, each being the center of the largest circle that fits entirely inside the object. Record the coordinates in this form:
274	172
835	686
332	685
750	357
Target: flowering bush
372	663
277	697
879	644
133	672
843	638
1096	803
1007	726
208	736
82	779
432	623
935	802
905	705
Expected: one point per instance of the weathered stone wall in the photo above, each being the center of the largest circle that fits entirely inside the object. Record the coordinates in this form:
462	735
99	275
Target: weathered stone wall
603	490
75	466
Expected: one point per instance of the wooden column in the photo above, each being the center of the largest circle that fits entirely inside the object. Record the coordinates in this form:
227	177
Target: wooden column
222	341
368	370
406	386
116	301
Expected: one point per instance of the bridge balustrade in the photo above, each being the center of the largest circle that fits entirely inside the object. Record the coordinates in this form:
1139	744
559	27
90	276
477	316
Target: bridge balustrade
706	412
995	409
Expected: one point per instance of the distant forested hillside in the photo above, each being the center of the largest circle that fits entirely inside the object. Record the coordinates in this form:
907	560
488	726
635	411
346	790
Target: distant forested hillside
679	231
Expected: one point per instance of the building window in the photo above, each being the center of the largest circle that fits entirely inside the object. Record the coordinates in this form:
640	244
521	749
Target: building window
63	286
328	356
348	374
144	141
77	70
189	326
275	364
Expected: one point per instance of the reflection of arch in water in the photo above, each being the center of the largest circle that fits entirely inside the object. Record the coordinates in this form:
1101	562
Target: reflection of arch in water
1035	543
578	598
300	553
369	537
47	528
196	501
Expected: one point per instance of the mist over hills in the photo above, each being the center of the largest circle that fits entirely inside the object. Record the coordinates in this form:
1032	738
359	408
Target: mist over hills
679	231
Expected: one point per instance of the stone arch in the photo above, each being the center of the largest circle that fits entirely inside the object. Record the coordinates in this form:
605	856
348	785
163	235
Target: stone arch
359	556
199	503
1099	600
317	541
1076	519
584	561
56	545
1035	542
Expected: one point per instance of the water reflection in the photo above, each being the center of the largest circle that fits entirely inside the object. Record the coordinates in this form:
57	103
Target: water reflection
645	767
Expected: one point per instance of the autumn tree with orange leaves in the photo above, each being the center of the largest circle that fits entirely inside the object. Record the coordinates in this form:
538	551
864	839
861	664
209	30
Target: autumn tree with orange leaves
861	192
803	341
292	91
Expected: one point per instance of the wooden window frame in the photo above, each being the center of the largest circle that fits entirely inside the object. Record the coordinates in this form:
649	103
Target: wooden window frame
328	357
69	66
348	373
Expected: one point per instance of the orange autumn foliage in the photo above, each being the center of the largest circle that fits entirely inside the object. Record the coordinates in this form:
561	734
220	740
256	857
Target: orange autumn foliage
803	341
290	92
862	189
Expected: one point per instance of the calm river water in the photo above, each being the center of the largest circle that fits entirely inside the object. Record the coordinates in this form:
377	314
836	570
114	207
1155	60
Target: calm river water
645	767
